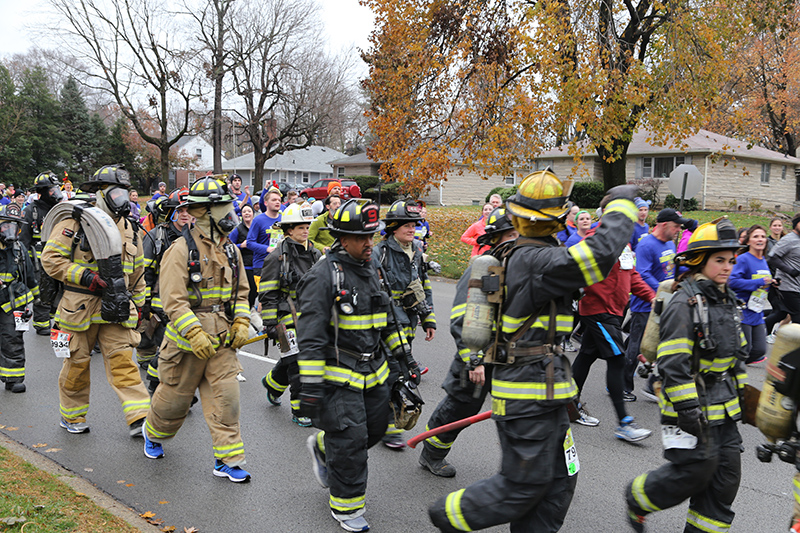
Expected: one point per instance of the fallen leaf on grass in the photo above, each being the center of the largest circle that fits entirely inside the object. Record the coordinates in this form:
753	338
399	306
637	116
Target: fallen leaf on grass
121	481
88	469
40	445
12	520
191	530
50	450
129	484
162	502
148	514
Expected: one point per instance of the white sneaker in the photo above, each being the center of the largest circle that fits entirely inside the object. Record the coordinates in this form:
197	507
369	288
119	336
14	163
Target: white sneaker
629	431
586	419
240	377
771	338
569	347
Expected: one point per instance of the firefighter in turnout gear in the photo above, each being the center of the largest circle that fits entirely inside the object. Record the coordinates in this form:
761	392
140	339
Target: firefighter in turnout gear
156	242
467	382
17	292
345	319
531	379
401	259
701	357
68	257
280	275
204	294
47	187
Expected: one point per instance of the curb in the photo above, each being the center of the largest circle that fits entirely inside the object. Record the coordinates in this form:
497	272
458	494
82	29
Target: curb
78	484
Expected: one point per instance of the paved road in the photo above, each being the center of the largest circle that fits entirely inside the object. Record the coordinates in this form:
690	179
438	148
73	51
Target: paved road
284	495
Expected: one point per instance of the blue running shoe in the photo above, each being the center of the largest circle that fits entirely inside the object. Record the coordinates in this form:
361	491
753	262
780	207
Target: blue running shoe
234	473
317	461
153	450
302	421
271	398
352	524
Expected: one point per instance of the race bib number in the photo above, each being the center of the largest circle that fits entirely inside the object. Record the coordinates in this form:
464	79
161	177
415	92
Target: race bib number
626	261
674	437
757	301
59	340
275	239
291	337
21	324
571	454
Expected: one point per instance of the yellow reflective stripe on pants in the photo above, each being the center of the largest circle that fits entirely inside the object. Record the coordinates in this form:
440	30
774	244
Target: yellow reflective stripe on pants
675	346
347	504
704	523
12	372
153	434
133	406
274	384
796	484
436	442
74	413
510	390
457	311
637	489
452	507
221	452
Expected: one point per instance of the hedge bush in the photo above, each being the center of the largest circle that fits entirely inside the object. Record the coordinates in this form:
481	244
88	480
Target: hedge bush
689	204
504	191
588	193
390	192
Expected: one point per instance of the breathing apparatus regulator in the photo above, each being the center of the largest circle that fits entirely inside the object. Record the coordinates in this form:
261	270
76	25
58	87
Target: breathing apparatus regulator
213	194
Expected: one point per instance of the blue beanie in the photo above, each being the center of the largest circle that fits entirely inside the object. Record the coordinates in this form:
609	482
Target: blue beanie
641	203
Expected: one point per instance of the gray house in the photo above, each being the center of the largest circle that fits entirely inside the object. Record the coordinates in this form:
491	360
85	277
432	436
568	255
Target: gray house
298	167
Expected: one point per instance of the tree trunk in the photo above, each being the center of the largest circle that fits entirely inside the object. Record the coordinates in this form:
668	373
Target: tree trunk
613	171
165	163
258	170
216	135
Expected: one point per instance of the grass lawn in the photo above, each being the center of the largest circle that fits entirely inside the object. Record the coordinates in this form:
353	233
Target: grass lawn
34	501
448	223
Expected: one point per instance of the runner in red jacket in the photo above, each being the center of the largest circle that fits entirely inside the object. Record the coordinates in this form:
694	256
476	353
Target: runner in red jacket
601	310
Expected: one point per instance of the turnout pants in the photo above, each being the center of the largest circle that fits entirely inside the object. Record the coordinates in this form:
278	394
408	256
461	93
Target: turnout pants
116	345
459	403
532	491
12	350
282	375
708	475
352	422
41	312
181	373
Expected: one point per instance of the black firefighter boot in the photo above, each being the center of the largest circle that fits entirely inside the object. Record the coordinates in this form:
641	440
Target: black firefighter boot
437	467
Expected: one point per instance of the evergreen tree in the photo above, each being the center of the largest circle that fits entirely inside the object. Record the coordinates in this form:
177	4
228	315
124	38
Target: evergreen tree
43	116
77	132
14	141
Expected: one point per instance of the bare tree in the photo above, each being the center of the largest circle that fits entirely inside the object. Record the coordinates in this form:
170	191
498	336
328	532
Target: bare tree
288	88
214	20
134	52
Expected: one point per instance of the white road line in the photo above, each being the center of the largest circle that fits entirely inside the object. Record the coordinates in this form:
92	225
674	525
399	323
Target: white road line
257	357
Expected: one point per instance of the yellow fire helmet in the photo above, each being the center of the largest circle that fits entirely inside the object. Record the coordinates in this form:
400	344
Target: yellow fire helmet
541	196
715	236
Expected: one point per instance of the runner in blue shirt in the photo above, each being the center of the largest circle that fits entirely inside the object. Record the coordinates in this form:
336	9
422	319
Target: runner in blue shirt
751	280
640	227
262	237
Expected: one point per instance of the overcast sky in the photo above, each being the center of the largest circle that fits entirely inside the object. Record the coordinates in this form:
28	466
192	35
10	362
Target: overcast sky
346	23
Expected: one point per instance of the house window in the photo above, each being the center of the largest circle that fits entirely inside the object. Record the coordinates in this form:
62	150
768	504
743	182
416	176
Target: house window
659	167
541	164
340	172
306	178
511	180
765	168
783	172
198	153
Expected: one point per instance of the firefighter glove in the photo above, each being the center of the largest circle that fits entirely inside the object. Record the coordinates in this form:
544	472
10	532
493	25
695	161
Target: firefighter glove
272	332
240	331
311	395
627	192
692	421
201	343
93	281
